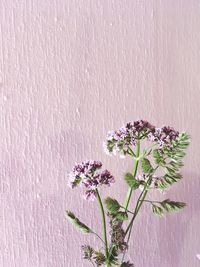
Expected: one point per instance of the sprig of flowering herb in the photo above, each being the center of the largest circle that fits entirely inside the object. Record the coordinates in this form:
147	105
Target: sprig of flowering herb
163	136
87	174
165	154
123	139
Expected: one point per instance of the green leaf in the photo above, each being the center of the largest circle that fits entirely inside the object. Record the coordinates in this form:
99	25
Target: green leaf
77	223
169	179
131	181
122	216
157	210
146	165
112	205
169	205
158	157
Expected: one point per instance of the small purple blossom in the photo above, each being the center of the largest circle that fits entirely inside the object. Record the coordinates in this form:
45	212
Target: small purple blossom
163	136
87	174
122	140
127	136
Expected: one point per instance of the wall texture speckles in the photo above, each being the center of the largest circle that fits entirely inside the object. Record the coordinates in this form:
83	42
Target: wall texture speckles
69	72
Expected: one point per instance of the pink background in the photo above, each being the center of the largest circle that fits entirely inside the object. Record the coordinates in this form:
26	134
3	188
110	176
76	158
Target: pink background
69	72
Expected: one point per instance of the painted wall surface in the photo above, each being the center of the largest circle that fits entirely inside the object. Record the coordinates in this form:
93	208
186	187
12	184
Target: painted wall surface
70	70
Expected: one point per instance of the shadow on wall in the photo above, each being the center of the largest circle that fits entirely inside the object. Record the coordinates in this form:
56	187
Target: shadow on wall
180	248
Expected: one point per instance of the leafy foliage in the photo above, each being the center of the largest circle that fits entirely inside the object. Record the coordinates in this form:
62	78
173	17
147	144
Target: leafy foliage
171	160
146	165
77	223
112	205
157	210
131	181
168	206
168	179
122	216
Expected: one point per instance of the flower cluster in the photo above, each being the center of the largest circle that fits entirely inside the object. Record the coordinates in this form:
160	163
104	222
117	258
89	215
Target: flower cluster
88	175
163	136
127	136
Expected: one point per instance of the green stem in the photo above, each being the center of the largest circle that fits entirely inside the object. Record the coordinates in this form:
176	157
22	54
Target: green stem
130	190
136	212
98	236
126	210
151	201
103	223
140	201
129	228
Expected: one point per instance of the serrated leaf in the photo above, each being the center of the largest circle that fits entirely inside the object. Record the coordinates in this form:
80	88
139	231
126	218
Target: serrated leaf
157	210
112	205
122	216
131	181
146	165
77	223
158	157
168	179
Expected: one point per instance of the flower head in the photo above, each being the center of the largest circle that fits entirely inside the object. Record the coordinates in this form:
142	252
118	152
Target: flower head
87	174
121	141
127	136
163	136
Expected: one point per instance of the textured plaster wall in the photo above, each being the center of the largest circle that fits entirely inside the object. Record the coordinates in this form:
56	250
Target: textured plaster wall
69	72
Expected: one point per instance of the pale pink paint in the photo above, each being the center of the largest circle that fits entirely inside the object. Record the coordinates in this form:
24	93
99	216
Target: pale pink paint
69	72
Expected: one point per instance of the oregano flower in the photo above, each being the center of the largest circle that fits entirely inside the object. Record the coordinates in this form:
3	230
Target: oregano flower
88	175
121	141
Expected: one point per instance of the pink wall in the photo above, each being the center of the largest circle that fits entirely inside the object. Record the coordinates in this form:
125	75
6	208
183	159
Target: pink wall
69	72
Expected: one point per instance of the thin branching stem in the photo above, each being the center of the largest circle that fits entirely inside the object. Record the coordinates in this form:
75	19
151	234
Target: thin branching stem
130	190
98	236
103	223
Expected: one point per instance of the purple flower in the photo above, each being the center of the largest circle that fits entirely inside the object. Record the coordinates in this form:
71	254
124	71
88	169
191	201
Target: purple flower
163	136
122	140
87	174
127	136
